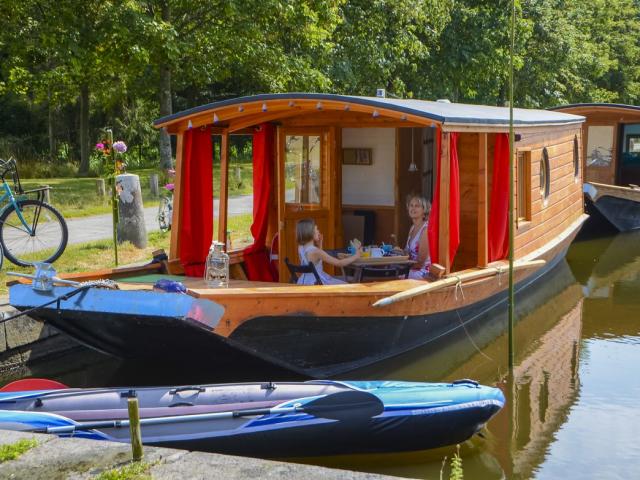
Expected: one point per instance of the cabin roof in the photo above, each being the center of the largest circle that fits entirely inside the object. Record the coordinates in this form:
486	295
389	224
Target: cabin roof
596	105
441	112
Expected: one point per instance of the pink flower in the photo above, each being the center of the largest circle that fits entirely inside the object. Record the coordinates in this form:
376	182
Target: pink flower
99	146
120	146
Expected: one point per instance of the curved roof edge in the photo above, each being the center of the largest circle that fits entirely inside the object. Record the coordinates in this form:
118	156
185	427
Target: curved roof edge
441	112
602	105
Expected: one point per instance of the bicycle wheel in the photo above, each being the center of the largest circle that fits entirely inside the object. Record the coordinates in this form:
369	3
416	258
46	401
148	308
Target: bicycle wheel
165	211
46	242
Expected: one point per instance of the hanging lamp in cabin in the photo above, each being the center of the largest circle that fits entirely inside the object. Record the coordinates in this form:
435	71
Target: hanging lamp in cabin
412	166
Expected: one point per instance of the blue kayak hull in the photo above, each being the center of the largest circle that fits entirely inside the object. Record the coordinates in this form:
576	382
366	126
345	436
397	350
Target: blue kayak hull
416	416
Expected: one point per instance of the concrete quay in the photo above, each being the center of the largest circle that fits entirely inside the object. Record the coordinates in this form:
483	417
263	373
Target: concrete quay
24	340
56	458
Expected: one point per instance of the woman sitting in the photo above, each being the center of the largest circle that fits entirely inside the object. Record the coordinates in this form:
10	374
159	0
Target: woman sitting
417	246
310	251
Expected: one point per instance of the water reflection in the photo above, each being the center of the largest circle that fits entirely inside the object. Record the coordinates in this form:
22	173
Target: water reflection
539	393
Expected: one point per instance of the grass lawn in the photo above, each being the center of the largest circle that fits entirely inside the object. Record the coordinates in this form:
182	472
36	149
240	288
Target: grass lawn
96	255
77	197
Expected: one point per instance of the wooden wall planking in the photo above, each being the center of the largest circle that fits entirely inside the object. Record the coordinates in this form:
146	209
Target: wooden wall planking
550	216
468	153
385	217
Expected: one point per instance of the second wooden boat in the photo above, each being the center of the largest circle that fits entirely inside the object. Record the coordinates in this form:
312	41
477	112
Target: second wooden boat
611	145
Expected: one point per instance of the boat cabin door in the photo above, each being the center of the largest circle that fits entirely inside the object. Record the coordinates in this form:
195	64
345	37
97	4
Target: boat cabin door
629	158
304	189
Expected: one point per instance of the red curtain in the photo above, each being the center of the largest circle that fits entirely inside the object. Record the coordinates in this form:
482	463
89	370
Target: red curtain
499	205
256	256
196	228
454	202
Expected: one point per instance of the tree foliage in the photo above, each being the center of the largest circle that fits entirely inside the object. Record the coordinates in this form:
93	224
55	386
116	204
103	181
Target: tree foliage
134	59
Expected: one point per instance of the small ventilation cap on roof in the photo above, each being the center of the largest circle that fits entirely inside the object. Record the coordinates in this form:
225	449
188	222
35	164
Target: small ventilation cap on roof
443	100
381	93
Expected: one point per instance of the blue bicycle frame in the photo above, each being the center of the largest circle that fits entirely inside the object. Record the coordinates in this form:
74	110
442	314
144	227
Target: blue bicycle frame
9	197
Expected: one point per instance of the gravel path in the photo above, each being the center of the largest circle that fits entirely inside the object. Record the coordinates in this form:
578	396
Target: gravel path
99	227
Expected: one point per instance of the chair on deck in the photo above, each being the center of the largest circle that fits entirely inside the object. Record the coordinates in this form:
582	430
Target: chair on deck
388	272
296	270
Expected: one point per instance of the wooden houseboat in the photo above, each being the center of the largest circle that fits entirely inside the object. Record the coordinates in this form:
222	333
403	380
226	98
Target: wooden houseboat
611	146
337	159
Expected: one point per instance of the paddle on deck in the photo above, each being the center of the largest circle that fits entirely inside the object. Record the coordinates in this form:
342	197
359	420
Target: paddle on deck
348	405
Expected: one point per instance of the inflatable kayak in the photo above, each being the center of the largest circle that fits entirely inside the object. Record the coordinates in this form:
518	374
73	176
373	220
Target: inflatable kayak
284	419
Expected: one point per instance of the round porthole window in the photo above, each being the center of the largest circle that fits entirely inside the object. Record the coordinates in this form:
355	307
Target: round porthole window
576	157
545	169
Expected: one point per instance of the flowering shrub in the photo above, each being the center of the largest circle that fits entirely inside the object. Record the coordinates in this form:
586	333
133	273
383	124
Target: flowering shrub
112	153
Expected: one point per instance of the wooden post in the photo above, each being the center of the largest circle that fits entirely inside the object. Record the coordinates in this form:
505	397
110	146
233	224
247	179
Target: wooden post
177	201
134	429
483	217
153	185
100	187
224	187
443	240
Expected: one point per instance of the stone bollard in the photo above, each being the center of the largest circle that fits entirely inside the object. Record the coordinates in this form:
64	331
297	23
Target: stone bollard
47	195
131	226
153	185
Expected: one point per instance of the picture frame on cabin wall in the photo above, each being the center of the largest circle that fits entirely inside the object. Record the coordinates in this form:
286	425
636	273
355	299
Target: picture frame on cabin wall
357	156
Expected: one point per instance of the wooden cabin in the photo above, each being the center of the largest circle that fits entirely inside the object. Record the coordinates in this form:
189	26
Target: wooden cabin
363	156
611	142
611	146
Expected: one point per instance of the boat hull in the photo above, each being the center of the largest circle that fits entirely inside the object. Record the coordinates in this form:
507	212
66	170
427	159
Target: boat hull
619	205
412	416
323	343
311	346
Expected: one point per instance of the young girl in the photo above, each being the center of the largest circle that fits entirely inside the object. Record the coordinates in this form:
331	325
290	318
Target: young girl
310	251
417	246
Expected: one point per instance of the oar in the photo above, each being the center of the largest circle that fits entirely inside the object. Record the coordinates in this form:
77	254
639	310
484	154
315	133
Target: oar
348	405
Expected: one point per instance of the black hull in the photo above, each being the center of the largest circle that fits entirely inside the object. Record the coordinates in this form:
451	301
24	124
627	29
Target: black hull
323	347
316	347
622	213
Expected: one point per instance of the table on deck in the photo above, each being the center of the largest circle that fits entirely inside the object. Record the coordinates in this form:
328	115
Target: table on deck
389	262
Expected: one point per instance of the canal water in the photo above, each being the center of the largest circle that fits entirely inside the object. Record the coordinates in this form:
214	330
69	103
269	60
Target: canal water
572	399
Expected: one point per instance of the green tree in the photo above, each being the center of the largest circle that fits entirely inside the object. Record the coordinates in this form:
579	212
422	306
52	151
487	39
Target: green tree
383	43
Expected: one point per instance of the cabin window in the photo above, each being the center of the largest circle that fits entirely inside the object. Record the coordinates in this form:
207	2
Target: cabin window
302	169
599	151
523	192
545	169
576	157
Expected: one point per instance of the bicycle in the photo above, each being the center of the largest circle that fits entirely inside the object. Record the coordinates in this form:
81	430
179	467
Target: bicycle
165	209
29	226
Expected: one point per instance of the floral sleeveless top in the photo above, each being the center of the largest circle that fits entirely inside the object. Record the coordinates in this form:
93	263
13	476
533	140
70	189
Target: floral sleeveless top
413	247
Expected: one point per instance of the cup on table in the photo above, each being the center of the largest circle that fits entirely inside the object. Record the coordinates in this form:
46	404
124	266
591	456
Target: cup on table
376	252
387	249
366	252
351	250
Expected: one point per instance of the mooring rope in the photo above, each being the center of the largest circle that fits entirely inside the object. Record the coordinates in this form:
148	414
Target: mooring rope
471	339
